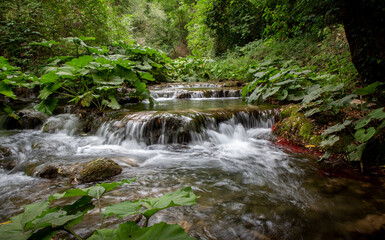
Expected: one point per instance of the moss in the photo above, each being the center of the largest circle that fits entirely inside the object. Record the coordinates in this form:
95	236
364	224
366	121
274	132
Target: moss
296	127
98	170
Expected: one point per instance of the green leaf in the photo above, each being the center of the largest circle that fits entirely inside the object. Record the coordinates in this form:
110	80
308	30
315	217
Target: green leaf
160	231
96	191
147	76
330	141
48	90
6	90
181	197
113	185
86	99
123	209
69	193
21	224
314	92
378	114
50	77
363	135
312	111
270	92
55	219
113	103
368	89
356	152
283	95
336	128
80	62
47	106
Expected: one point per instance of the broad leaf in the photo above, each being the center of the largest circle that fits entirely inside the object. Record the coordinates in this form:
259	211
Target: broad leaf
336	128
368	89
21	224
356	152
80	62
48	90
160	231
378	114
363	135
55	219
6	90
147	76
123	209
314	92
47	106
113	103
181	197
113	185
270	92
96	191
330	141
50	77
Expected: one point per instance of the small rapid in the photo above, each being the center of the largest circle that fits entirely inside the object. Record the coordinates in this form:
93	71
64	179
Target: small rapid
249	188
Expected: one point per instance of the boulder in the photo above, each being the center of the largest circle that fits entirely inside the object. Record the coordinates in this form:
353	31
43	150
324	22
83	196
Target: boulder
96	170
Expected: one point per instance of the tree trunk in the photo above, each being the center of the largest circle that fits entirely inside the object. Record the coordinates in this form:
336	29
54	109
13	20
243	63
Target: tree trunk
364	22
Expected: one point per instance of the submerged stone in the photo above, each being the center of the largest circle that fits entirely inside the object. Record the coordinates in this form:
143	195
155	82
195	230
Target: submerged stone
5	152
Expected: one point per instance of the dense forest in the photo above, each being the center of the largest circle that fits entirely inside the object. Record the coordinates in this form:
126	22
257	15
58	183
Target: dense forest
320	63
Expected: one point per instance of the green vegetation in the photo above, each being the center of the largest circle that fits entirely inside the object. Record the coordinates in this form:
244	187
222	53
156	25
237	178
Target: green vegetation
328	66
44	219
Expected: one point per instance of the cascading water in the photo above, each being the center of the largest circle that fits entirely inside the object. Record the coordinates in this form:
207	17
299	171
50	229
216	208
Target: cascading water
248	187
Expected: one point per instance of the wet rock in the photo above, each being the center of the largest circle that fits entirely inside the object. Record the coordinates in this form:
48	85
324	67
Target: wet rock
48	171
29	119
368	225
5	152
131	162
96	170
186	226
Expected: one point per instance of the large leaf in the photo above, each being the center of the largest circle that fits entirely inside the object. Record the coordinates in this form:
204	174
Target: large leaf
50	77
113	185
147	76
270	92
20	226
91	191
336	128
330	141
6	90
55	219
313	93
47	106
80	62
160	231
181	197
113	103
363	135
356	152
123	209
368	89
48	90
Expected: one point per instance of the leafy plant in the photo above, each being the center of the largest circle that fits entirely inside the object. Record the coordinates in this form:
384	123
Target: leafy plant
40	221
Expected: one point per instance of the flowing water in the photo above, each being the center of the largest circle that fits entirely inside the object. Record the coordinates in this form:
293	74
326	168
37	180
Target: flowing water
208	139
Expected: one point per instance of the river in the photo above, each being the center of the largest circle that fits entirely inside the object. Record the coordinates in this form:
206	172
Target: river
206	138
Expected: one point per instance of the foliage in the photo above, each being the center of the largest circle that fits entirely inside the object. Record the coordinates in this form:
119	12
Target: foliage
191	69
40	221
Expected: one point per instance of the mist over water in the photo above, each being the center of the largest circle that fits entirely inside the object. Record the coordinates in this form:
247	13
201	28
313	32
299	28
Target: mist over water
248	187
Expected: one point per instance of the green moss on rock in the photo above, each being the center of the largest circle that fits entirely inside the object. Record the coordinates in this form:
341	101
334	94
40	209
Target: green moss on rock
98	170
296	127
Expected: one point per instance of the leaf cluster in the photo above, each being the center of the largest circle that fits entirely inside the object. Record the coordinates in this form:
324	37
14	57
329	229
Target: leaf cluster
41	221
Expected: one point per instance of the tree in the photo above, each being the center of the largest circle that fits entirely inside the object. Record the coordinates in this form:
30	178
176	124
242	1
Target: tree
364	22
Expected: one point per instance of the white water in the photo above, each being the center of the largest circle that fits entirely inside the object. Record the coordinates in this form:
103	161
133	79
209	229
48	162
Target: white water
248	187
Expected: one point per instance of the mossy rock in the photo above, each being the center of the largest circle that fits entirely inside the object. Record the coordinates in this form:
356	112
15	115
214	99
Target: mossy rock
296	127
98	170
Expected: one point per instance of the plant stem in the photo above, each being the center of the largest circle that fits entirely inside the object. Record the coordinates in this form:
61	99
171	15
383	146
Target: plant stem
100	214
146	222
69	230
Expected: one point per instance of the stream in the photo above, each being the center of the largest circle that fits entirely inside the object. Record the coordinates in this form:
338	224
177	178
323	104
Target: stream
206	137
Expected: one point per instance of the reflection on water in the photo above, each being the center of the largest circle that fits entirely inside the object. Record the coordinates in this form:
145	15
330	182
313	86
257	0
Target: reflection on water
248	188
